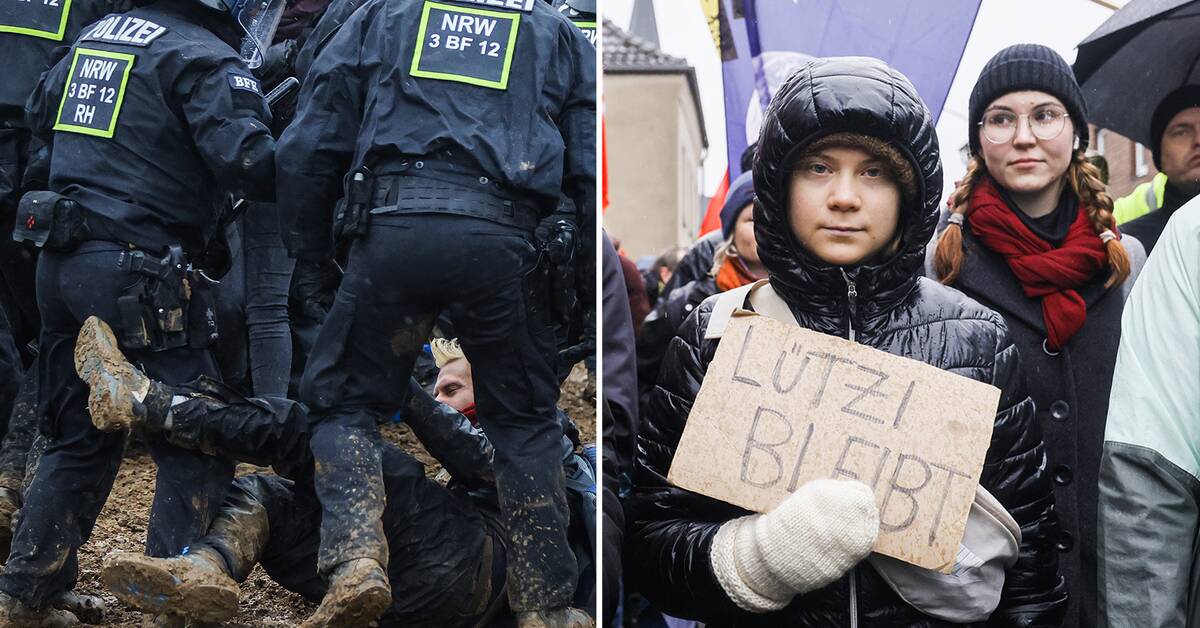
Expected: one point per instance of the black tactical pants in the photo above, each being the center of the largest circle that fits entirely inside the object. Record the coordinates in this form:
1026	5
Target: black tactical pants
17	261
255	353
405	271
76	472
11	371
446	565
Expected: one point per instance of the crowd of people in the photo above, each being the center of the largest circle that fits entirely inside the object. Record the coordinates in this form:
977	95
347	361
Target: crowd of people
242	231
1029	277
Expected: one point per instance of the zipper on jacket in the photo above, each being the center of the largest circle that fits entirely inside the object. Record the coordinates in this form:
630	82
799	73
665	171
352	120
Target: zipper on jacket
852	299
853	599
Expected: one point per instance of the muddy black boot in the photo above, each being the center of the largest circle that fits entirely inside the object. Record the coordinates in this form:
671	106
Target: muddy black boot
88	608
555	618
195	585
10	502
121	397
359	592
14	614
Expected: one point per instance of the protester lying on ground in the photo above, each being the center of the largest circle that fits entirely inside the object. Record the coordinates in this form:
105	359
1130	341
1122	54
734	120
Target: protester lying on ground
447	546
1175	133
1031	236
735	264
848	180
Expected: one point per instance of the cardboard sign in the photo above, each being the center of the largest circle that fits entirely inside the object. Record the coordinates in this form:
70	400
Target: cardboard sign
782	405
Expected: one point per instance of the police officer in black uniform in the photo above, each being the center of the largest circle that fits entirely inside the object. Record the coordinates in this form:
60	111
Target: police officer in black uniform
459	124
155	120
29	34
582	13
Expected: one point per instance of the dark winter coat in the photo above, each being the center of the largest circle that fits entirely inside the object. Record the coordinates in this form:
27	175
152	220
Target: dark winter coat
696	263
1070	390
660	326
670	530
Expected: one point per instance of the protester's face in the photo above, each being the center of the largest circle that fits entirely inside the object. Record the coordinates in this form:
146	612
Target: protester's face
454	386
743	235
1180	153
1026	163
844	206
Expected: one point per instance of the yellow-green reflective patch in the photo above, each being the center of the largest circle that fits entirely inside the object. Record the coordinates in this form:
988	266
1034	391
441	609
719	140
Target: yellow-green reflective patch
46	19
589	30
465	45
94	92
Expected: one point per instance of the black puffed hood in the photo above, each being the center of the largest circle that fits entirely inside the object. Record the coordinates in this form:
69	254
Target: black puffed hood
844	95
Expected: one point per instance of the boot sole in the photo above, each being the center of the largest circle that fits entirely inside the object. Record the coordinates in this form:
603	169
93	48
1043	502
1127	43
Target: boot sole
359	608
100	363
149	586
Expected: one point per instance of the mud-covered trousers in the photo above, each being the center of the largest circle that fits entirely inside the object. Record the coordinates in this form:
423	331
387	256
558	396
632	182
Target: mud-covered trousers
76	472
406	270
446	565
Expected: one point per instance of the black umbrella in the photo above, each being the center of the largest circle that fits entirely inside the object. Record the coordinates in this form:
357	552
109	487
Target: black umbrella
1138	56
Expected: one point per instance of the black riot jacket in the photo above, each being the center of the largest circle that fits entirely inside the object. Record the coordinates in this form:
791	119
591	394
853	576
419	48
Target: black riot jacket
30	51
512	91
670	530
156	121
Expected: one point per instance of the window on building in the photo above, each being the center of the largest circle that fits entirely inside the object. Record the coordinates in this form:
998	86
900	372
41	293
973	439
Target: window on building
1140	167
1101	135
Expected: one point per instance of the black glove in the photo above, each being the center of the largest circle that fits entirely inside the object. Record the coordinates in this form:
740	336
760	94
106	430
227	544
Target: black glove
314	285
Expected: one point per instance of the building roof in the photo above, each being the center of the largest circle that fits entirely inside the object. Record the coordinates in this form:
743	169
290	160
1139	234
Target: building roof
625	53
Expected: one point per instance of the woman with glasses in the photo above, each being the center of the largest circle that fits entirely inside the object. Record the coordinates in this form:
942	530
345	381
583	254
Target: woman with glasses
1030	233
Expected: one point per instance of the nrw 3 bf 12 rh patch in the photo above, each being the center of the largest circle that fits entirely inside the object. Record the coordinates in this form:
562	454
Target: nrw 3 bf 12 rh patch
95	88
466	45
37	18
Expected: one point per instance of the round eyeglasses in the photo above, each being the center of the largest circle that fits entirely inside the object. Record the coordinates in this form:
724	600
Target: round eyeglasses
999	127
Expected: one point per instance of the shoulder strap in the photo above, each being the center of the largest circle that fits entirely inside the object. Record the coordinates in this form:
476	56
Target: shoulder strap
762	297
1151	196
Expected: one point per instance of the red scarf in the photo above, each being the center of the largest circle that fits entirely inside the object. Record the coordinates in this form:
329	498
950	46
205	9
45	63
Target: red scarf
469	412
1053	274
733	274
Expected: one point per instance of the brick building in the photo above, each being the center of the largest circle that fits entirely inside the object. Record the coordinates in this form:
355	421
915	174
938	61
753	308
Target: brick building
1129	163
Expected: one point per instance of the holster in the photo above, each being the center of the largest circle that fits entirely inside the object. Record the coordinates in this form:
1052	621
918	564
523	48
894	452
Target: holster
558	241
169	306
354	211
49	220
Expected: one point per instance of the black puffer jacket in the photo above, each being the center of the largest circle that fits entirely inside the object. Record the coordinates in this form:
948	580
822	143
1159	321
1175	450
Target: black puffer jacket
661	324
671	530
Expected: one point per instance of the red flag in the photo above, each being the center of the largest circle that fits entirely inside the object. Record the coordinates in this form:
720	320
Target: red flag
712	216
603	165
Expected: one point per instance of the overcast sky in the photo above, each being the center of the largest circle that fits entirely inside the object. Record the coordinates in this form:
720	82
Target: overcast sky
1059	24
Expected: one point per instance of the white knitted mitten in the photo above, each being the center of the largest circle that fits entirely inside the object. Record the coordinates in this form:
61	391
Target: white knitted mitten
810	539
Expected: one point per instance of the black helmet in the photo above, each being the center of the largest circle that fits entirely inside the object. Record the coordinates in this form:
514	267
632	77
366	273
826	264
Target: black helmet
577	8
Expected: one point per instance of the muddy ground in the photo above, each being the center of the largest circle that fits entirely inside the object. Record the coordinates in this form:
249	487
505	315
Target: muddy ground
122	524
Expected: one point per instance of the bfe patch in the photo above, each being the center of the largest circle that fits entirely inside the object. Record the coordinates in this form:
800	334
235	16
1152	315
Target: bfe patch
465	45
95	88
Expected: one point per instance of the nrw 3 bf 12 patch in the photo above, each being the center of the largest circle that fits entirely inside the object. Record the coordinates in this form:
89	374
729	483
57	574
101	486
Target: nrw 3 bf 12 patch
94	91
466	45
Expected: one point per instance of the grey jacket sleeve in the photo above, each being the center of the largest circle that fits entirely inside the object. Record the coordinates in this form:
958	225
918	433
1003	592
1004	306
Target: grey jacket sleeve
1148	520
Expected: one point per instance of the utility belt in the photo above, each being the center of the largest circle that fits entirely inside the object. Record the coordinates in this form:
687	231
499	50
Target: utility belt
439	184
169	305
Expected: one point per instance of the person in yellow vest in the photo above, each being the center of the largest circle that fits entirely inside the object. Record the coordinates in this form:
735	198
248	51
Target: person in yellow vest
1175	137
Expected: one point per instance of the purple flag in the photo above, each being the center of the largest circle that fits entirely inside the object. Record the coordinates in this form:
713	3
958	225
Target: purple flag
924	39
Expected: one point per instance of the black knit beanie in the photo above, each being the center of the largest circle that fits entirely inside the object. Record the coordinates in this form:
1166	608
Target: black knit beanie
1178	100
1027	67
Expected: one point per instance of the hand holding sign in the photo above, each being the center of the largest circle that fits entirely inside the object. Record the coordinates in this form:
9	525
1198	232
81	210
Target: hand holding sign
782	405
